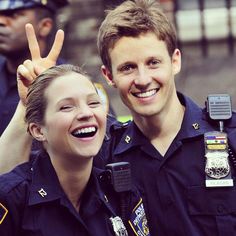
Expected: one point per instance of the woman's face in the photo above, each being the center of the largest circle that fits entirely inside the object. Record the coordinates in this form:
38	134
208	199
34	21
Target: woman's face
74	120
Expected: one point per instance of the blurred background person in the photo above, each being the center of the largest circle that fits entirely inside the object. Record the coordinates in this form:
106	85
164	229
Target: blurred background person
14	47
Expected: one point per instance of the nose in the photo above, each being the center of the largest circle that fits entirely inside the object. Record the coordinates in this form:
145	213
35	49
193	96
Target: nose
143	78
84	113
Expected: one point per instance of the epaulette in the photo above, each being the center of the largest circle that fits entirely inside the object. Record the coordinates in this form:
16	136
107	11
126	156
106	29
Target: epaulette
114	127
120	125
231	123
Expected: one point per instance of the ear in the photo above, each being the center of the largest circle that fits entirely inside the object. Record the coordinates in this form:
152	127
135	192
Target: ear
36	131
176	61
45	27
107	75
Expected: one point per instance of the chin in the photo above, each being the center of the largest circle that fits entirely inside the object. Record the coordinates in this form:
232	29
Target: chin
144	111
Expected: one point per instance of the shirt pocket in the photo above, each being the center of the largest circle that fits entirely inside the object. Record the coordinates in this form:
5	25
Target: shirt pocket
211	201
213	210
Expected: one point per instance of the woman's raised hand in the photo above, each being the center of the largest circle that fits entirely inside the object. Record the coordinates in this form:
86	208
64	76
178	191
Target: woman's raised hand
30	69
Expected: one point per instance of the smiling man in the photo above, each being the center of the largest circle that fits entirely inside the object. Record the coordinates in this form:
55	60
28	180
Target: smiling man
165	141
14	14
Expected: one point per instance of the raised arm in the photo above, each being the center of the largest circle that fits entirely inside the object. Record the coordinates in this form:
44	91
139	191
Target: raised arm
15	142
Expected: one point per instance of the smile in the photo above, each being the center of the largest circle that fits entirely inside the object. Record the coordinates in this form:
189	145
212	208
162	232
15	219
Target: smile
146	94
85	132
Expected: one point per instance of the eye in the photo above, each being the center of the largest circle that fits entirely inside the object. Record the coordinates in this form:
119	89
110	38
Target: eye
154	63
66	108
94	104
127	68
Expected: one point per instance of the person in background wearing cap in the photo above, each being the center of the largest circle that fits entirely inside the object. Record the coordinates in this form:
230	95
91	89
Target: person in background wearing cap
14	14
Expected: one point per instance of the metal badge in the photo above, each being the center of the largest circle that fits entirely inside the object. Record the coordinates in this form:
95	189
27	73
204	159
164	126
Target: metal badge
217	167
118	226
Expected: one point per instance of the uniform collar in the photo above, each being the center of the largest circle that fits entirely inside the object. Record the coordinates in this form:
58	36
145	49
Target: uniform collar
195	121
132	137
45	187
194	124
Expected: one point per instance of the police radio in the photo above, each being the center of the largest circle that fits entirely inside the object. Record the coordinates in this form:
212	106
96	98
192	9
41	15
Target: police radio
217	168
120	178
120	175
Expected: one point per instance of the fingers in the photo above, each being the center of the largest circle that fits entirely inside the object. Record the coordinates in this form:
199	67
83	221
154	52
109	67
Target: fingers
24	75
57	46
33	43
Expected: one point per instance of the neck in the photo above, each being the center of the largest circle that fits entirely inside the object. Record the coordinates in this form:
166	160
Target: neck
163	127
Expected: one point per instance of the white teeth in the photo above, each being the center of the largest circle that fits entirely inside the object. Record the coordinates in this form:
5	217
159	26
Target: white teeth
85	130
146	94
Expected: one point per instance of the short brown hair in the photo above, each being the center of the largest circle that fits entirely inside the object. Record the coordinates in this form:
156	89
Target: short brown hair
132	18
36	101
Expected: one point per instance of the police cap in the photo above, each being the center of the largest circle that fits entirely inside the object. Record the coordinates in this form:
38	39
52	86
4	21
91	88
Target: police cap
53	5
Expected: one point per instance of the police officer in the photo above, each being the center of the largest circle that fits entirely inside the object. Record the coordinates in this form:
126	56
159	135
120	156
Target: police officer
178	155
14	14
60	193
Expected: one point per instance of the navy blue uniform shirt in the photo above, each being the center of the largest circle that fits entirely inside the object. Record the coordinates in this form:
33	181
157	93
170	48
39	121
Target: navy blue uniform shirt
176	200
32	202
9	97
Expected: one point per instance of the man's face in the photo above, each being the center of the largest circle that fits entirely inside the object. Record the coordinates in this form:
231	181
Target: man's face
143	72
12	30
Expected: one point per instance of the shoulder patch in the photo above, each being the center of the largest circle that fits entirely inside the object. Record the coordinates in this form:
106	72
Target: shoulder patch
3	213
138	220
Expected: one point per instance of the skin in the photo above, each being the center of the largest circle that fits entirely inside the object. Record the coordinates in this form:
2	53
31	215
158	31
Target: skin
149	72
72	105
144	78
16	134
13	41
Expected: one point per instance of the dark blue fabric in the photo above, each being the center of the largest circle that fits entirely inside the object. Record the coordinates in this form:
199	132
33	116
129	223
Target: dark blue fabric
176	200
9	97
37	205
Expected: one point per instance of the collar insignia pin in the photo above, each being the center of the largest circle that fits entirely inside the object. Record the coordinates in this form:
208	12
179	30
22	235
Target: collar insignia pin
196	126
42	192
127	139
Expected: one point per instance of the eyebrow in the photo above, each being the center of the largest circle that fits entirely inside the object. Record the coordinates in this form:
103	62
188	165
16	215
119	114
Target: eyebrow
125	64
72	98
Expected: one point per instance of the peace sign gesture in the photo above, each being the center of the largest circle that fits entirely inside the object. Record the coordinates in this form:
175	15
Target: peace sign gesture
30	69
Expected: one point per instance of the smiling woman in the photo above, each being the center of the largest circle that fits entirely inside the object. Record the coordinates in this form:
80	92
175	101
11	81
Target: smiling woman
70	107
60	187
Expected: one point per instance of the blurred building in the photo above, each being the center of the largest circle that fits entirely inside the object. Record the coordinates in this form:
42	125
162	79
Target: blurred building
207	34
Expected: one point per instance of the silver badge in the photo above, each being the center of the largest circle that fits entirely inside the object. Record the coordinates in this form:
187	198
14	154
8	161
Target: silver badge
118	226
217	165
